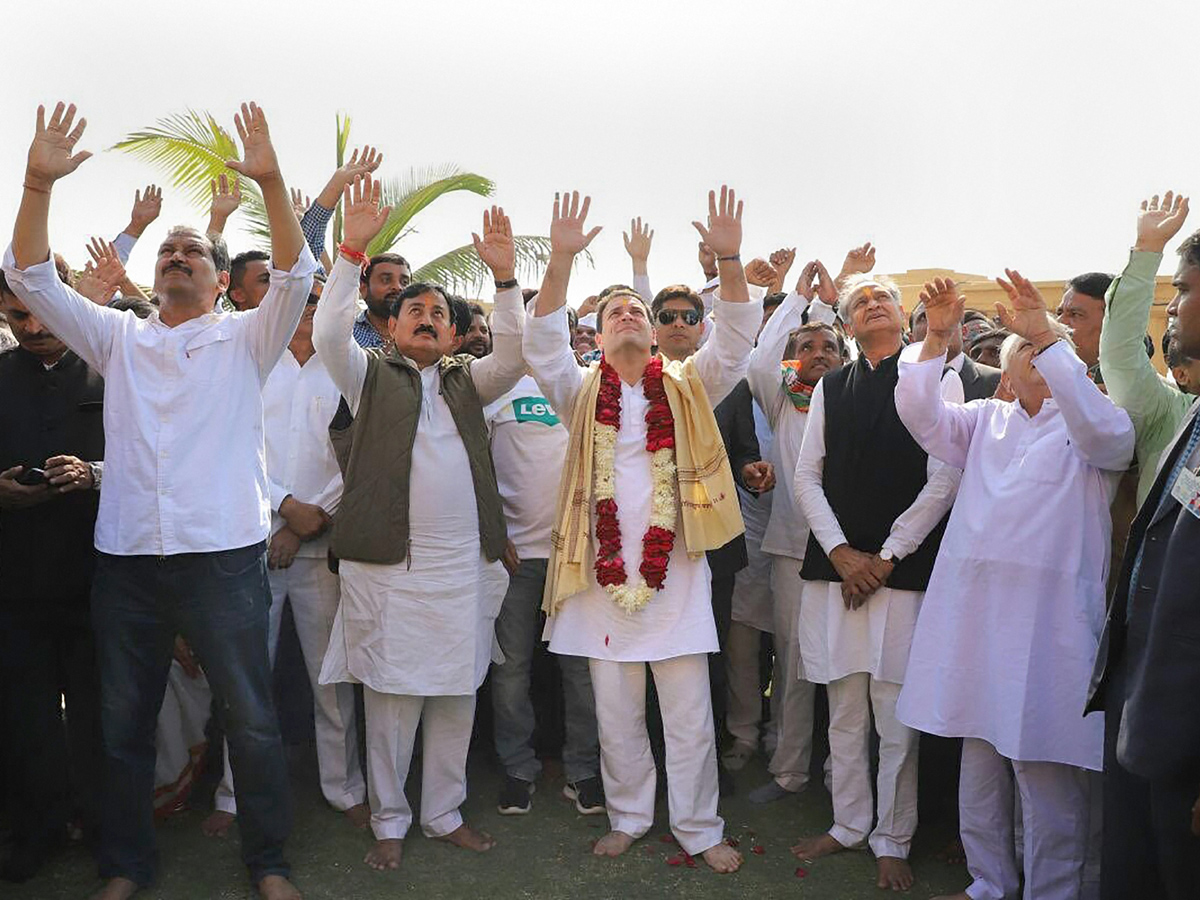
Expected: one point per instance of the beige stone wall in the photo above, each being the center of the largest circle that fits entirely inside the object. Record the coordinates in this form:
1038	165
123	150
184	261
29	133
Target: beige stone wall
983	293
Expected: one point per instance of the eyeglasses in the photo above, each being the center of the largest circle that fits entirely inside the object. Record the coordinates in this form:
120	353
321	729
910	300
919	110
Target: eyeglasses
689	316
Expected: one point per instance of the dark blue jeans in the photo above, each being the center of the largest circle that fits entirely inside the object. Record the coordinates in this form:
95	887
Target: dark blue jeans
218	602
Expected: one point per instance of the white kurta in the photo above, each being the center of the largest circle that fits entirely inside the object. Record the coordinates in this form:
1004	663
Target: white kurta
752	585
1012	618
678	620
423	626
836	641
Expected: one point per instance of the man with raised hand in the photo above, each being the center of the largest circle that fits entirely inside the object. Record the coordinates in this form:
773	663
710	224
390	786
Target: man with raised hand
787	362
1155	405
420	531
646	489
1017	622
182	546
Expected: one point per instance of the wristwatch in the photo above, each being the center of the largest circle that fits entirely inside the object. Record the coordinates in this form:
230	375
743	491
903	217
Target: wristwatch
506	284
97	471
887	555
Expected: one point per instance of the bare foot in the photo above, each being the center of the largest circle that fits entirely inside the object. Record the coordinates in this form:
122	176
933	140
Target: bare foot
816	847
276	887
117	889
470	839
359	815
895	874
385	854
217	824
954	853
613	844
723	859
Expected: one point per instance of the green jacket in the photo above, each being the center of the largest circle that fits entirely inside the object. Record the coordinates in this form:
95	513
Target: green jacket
374	451
1154	404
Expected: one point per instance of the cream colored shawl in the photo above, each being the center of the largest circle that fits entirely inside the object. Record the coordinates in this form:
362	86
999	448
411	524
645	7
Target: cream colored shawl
708	502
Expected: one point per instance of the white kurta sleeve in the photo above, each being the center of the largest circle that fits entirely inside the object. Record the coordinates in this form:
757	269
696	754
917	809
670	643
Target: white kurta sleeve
498	372
941	487
641	284
721	362
84	326
763	371
1100	432
809	486
272	325
546	344
333	332
941	426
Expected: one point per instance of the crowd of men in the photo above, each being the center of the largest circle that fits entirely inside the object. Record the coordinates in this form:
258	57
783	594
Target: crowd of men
976	535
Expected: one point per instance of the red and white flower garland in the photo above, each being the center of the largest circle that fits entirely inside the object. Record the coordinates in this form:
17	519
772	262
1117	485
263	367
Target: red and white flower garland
664	508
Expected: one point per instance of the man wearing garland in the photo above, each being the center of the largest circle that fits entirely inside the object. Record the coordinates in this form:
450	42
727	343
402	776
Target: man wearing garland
646	489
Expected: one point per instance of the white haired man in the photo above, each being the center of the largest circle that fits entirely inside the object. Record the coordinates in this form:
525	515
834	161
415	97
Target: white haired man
1017	622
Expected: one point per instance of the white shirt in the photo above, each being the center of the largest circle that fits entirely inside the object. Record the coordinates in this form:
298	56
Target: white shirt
678	620
1011	622
529	446
424	626
175	400
787	530
298	404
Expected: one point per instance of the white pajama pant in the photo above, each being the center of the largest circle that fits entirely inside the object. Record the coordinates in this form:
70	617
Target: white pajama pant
626	763
392	721
794	711
744	713
312	590
852	700
1056	809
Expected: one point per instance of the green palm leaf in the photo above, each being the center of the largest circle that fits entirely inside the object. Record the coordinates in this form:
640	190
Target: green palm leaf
408	196
190	148
462	271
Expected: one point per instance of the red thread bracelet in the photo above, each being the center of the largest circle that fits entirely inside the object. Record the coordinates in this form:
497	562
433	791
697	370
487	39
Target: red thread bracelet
352	255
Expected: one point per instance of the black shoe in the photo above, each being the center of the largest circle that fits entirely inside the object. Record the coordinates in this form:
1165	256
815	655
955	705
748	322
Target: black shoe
514	799
725	783
588	794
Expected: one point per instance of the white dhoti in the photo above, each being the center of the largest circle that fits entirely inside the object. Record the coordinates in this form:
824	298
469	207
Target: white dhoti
392	721
179	741
1055	803
627	764
312	591
794	694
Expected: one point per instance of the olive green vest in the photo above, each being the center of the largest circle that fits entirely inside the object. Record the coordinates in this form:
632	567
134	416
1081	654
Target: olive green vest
374	451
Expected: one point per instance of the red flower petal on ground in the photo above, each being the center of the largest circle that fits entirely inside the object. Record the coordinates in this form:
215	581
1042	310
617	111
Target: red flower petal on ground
758	849
691	863
675	860
667	839
801	872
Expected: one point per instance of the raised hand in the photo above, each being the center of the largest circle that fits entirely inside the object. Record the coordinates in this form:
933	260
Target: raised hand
1159	222
360	163
52	153
708	260
363	211
300	202
566	227
943	306
760	273
638	240
1029	316
724	231
859	261
226	197
782	260
146	208
102	276
806	285
495	248
259	162
827	290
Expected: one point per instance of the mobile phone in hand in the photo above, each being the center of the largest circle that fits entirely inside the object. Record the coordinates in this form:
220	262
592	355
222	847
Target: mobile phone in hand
32	477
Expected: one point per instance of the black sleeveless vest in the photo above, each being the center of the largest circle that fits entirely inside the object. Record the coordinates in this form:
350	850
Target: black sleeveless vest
873	471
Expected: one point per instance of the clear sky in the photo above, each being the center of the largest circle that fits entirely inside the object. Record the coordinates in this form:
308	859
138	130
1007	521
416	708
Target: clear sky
968	135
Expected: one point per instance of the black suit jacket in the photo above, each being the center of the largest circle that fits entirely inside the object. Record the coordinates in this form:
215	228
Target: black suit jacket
1153	630
735	419
979	381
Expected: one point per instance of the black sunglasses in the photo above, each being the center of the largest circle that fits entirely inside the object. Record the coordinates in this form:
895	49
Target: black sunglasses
667	316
